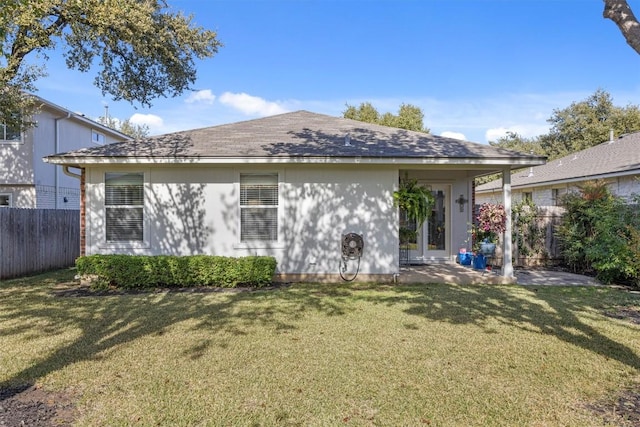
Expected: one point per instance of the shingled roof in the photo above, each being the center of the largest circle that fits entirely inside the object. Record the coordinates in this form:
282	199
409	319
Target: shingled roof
296	135
612	158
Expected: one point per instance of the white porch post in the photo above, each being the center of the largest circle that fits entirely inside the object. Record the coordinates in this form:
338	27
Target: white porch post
507	249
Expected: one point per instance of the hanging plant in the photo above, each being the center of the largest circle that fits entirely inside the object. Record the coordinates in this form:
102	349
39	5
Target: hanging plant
415	200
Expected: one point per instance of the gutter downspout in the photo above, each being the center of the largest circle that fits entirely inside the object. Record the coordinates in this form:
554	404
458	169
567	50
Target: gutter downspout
57	150
67	172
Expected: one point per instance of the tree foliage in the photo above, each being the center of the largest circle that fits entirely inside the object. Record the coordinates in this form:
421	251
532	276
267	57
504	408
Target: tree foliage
515	142
587	123
134	130
409	116
142	49
581	125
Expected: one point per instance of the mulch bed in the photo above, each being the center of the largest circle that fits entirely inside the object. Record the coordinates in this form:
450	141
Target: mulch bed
29	405
75	290
623	411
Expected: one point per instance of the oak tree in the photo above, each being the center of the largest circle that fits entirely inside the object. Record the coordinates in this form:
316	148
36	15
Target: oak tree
587	123
409	116
139	49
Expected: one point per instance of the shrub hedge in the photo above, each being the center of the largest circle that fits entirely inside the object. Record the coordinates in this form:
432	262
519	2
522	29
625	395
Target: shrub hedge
139	271
601	233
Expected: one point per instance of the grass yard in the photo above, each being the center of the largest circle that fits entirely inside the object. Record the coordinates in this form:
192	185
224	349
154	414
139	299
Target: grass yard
323	355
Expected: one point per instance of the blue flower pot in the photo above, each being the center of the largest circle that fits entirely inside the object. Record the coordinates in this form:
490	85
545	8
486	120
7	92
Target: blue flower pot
479	262
487	249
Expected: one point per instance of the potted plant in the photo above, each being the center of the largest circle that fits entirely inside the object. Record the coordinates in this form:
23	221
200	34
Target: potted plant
416	201
490	222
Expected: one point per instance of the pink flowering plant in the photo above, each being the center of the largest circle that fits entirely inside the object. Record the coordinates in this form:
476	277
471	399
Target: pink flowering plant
490	222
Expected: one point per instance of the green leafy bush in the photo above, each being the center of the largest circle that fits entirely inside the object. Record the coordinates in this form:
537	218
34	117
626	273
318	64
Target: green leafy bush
599	233
137	271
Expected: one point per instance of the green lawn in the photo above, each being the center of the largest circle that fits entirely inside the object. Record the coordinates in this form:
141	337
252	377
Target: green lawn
322	355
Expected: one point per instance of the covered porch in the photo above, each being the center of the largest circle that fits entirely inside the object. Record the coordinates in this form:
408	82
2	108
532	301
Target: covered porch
436	244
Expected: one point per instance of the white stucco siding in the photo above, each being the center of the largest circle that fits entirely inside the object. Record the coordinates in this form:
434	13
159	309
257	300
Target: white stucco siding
195	210
461	218
192	210
322	204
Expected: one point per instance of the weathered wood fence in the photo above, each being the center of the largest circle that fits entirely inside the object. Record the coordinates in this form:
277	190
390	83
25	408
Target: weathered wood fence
34	240
535	241
534	237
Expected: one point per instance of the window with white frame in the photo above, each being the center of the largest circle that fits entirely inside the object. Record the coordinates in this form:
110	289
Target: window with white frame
10	134
97	137
124	206
259	207
5	200
555	196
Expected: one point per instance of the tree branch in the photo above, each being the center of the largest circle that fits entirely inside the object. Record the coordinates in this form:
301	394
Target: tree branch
620	13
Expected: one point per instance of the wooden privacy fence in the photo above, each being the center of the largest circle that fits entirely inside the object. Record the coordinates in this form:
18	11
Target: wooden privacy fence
535	241
534	237
34	240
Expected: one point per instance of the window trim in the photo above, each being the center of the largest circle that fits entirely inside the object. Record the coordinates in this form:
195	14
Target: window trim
260	244
10	197
99	134
555	196
3	133
125	244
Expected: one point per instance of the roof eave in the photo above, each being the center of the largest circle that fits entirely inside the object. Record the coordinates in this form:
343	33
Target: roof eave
95	160
564	181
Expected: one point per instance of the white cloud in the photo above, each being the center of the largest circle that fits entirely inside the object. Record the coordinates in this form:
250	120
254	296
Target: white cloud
528	130
155	123
251	105
204	96
454	135
496	133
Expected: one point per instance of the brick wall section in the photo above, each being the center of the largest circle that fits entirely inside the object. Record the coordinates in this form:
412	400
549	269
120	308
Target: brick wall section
83	223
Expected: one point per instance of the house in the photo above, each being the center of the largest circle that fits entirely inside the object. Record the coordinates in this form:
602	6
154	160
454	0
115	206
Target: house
291	186
25	180
616	161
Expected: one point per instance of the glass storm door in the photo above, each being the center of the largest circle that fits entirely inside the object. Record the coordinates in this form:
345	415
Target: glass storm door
432	242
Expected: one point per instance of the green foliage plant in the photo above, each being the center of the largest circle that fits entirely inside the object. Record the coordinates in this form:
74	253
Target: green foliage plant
139	272
414	199
528	235
409	116
599	233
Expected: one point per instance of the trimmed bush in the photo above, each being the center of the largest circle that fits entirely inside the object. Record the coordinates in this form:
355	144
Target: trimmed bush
139	271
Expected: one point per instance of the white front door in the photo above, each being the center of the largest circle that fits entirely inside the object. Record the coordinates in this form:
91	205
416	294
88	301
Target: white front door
432	243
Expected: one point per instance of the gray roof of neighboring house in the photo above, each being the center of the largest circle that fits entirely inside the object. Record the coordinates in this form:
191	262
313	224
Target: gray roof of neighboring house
612	158
299	134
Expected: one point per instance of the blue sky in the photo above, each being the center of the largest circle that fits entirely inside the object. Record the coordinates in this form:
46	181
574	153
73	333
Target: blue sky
475	67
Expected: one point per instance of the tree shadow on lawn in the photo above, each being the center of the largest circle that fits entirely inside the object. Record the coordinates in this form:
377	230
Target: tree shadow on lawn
106	322
549	310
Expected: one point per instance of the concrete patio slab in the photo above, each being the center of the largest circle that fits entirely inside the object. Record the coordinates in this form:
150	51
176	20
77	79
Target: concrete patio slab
463	275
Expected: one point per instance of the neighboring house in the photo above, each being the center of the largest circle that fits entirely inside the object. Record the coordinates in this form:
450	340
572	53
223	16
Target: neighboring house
28	182
616	161
290	186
